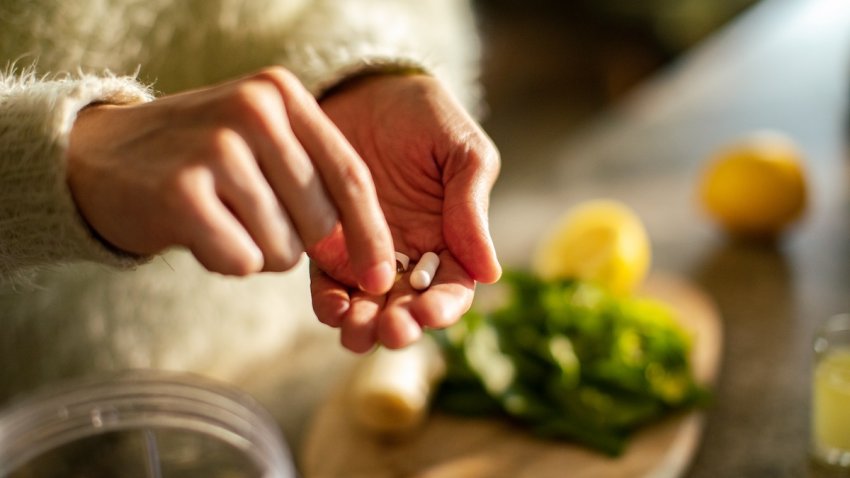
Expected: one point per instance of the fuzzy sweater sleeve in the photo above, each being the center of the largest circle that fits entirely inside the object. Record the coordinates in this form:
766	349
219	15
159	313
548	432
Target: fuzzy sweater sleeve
322	41
177	45
336	39
39	222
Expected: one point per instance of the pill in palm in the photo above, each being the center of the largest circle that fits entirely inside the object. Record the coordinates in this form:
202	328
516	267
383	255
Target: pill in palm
401	262
424	271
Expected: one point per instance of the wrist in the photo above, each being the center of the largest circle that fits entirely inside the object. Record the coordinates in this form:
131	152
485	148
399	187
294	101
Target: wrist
91	125
370	75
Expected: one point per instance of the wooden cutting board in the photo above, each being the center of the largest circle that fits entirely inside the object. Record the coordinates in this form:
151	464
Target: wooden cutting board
454	447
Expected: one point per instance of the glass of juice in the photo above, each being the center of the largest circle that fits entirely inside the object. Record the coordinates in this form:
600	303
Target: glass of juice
830	421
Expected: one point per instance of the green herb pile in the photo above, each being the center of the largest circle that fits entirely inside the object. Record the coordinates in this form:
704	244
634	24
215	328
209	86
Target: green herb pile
570	361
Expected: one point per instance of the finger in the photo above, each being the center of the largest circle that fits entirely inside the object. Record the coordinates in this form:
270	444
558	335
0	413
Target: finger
242	187
330	255
282	159
396	326
350	186
330	298
358	326
299	187
447	299
215	236
470	179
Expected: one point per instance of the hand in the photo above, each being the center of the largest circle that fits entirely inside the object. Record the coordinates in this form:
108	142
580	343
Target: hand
245	174
433	168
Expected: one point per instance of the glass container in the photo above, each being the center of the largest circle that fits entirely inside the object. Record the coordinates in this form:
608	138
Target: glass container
830	414
144	424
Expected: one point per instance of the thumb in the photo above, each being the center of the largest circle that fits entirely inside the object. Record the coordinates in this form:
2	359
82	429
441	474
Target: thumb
467	200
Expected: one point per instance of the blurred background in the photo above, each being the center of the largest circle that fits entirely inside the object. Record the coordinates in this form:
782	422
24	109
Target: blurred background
555	63
629	99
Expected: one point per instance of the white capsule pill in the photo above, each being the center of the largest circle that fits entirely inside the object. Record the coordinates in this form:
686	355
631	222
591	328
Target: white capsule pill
401	262
424	271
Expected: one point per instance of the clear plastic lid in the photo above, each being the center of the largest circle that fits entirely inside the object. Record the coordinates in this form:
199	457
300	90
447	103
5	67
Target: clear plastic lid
145	424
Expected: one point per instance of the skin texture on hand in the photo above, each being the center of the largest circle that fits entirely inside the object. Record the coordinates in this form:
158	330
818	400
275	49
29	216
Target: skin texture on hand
433	169
245	174
251	173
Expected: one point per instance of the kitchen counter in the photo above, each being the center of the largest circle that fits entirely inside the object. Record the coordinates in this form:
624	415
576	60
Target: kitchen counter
782	65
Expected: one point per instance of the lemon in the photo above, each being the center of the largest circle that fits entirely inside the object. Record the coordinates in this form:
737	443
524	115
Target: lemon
602	241
756	186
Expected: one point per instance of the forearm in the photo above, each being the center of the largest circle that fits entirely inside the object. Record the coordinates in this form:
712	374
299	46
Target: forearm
39	222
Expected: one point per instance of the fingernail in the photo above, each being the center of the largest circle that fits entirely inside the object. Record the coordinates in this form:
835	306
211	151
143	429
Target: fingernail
379	278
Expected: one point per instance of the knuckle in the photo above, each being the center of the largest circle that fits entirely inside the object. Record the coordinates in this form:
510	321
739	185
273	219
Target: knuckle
253	99
261	199
227	155
223	143
356	179
489	154
183	187
483	149
477	152
280	76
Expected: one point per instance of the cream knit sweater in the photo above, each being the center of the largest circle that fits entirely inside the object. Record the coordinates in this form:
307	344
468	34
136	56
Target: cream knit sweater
70	306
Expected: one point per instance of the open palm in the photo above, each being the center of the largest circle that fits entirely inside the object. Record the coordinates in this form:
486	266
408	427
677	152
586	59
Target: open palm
433	169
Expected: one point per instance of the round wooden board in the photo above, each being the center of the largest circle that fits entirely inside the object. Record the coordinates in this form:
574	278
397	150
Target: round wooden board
453	447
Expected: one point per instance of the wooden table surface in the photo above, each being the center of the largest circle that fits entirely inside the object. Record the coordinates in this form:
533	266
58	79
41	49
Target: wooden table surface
782	65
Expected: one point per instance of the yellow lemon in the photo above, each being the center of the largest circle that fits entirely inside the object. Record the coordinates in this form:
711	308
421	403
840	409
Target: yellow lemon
602	241
755	187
